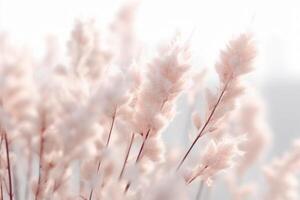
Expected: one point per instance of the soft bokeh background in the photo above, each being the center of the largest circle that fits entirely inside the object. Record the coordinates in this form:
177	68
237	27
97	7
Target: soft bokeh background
210	23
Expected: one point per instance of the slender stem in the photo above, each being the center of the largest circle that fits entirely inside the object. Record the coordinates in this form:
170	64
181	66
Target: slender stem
2	198
8	168
106	145
111	128
109	136
1	142
197	175
200	189
82	197
127	187
142	147
40	164
99	165
138	157
201	132
91	194
127	155
29	172
1	190
192	179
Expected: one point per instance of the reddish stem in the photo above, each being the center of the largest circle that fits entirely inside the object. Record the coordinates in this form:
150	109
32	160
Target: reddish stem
127	155
142	147
1	190
111	128
108	139
127	187
91	194
106	145
195	176
8	168
205	125
138	157
40	164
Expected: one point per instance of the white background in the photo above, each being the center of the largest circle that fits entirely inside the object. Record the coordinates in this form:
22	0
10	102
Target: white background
274	23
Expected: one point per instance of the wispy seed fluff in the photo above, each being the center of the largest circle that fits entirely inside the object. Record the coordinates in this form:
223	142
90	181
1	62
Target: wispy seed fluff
235	61
164	80
281	175
90	126
217	157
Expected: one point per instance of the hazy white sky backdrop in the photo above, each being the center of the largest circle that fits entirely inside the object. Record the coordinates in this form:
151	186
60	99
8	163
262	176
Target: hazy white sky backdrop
275	24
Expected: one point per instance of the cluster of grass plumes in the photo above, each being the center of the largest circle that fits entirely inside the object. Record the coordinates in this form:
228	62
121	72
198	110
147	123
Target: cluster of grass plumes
92	126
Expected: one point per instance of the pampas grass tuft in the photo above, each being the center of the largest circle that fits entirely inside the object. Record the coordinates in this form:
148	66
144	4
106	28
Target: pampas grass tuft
93	125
